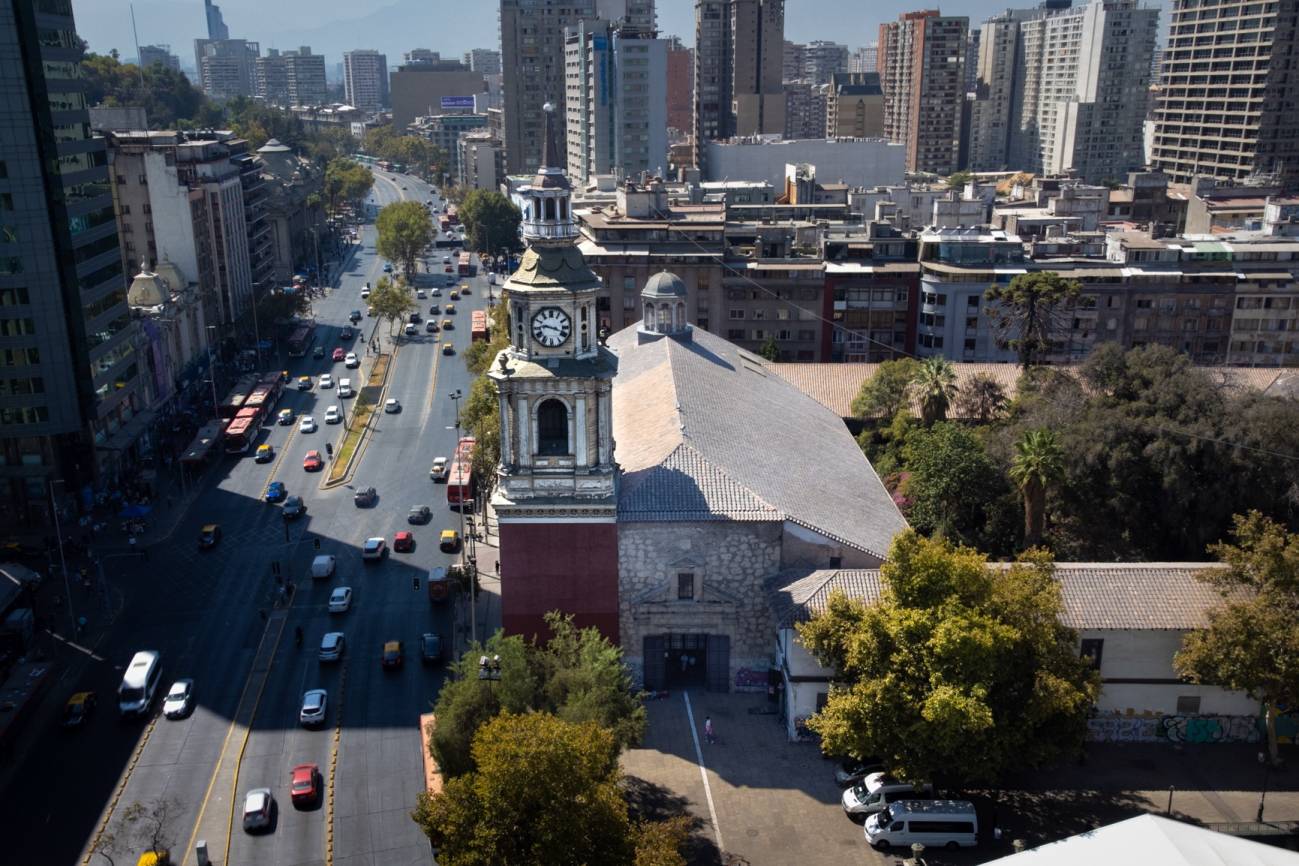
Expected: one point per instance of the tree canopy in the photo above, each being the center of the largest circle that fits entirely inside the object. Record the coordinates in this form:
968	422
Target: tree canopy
346	182
960	671
888	391
166	95
392	302
934	385
405	231
491	222
954	490
1252	642
1026	310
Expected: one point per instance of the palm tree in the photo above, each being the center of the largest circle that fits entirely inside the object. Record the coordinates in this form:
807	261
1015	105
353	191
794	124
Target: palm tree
1038	463
935	385
981	398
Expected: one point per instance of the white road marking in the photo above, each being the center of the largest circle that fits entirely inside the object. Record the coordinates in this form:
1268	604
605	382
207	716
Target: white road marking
703	774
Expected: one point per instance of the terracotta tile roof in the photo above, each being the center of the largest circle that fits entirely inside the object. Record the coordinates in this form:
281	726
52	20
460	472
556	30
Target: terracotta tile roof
1096	595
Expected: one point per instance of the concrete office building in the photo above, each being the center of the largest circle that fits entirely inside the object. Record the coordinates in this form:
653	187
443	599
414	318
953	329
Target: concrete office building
159	55
712	84
444	131
480	160
864	59
757	45
484	61
294	77
226	67
615	101
365	79
430	88
532	67
1244	121
922	74
639	14
72	391
854	106
805	109
862	162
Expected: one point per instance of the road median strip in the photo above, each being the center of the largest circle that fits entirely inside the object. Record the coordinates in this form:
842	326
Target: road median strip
363	411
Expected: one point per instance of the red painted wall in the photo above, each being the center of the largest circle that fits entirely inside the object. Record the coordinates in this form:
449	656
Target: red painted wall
572	568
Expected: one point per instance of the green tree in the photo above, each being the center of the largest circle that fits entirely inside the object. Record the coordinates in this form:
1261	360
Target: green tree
346	182
887	392
959	179
953	489
1037	465
885	447
981	399
405	231
165	94
491	222
770	350
1252	642
392	302
934	384
1028	309
328	144
959	669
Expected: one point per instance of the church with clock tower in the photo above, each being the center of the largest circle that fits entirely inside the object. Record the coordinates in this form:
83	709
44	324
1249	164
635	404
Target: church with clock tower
555	499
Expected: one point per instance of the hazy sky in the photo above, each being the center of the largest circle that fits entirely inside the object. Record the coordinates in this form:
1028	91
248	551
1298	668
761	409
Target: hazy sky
448	26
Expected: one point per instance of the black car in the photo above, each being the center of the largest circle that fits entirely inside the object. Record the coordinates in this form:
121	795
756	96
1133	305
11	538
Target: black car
354	316
419	514
414	318
430	647
431	326
365	497
851	770
294	507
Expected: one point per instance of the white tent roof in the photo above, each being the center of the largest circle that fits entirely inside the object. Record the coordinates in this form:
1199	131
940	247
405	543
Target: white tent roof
1149	839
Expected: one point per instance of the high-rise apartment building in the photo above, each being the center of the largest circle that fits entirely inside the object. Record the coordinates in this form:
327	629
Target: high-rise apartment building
615	100
1229	99
854	106
639	14
791	68
864	59
757	45
484	61
159	55
294	77
821	59
71	379
804	109
532	60
226	67
216	25
712	87
922	73
365	79
681	75
1062	89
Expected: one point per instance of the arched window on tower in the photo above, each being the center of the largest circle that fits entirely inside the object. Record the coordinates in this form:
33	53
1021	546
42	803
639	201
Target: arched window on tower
552	429
680	322
550	209
649	316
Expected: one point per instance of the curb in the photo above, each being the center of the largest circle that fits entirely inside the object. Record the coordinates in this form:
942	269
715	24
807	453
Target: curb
120	790
326	484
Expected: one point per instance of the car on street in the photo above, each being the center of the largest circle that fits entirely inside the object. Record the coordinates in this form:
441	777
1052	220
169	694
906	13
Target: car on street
438	472
414	317
430	647
340	600
420	294
449	541
387	267
347	333
331	646
374	548
354	317
450	309
326	380
392	406
455	295
332	415
351	361
431	326
448	325
78	708
369	312
180	699
338	355
209	535
365	497
304	784
276	491
448	348
464	289
307	424
258	808
365	293
318	352
345	388
314	703
446	260
393	655
403	542
285	417
265	453
313	462
294	507
419	515
436	293
411	330
304	383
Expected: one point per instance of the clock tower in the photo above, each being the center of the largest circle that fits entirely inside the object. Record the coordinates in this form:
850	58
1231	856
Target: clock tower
555	499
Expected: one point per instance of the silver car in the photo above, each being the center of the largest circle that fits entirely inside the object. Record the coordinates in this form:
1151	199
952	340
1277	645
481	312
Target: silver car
314	703
331	646
179	700
259	804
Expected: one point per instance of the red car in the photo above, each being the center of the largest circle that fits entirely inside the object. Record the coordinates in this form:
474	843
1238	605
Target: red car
403	542
304	789
313	462
339	354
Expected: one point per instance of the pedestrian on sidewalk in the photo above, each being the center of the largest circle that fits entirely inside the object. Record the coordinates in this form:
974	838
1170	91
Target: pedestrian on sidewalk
709	735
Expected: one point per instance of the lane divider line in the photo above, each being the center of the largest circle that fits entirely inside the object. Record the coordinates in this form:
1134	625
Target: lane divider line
703	774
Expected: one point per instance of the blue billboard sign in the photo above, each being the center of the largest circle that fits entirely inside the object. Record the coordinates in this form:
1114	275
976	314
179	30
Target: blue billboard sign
457	103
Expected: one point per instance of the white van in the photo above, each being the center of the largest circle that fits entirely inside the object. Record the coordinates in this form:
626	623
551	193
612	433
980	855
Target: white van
322	566
135	694
932	823
345	387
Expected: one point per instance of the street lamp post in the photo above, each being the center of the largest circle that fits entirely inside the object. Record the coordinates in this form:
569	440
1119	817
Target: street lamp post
211	370
489	667
63	562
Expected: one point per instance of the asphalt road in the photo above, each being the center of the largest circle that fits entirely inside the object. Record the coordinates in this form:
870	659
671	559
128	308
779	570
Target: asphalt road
201	610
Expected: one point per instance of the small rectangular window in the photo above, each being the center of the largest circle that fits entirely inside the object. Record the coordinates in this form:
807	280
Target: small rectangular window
1188	705
1091	650
686	586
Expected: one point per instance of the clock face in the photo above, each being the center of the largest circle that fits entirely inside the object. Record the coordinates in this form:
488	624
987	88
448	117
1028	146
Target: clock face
551	326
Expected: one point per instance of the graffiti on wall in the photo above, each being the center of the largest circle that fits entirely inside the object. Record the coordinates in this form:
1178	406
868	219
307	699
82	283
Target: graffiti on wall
750	680
1114	728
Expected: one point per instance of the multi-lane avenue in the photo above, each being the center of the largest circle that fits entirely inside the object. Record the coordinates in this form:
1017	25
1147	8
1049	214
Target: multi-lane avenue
209	613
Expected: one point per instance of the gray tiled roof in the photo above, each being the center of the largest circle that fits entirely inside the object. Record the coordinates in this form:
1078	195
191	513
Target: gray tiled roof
707	430
1096	595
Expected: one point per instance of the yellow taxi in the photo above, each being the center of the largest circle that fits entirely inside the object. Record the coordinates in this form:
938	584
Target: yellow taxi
393	655
209	535
78	709
265	453
449	541
304	383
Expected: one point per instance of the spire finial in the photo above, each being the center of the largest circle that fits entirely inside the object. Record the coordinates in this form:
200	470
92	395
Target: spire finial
549	153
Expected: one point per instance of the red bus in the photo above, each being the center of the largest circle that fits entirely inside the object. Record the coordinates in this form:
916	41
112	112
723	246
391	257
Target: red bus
478	326
276	381
461	484
234	401
262	399
444	223
301	340
453	215
242	431
467	268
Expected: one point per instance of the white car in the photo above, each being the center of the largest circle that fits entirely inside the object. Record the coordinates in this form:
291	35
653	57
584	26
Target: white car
326	380
411	331
332	415
179	700
439	470
374	548
307	424
392	406
331	646
365	293
345	388
314	703
419	293
258	806
340	599
351	361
